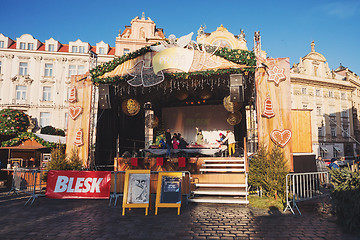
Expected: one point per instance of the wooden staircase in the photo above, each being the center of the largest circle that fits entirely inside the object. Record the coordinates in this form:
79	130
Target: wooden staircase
221	180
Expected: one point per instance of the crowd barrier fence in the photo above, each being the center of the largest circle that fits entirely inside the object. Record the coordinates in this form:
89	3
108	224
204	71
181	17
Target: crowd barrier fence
305	186
31	182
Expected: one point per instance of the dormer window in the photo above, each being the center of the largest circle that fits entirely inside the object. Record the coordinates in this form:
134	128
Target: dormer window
126	51
30	46
74	49
2	44
51	48
22	45
101	50
81	49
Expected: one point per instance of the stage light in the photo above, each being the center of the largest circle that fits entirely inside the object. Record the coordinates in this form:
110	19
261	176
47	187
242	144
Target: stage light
192	103
204	101
199	102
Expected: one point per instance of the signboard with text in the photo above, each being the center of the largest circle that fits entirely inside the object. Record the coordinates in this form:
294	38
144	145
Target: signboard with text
78	184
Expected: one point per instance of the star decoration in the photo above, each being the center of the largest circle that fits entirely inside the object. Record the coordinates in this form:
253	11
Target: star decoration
276	75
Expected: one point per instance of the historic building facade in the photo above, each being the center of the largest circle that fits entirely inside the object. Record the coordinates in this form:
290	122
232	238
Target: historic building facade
35	75
332	95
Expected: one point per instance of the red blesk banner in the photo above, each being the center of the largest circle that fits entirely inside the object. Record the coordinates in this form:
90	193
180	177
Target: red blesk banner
78	184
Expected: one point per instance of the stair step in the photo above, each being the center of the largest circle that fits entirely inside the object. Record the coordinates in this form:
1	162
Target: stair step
222	170
212	199
232	185
224	165
220	191
224	160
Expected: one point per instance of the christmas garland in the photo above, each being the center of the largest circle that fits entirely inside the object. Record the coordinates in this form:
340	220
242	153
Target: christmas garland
26	136
13	122
234	55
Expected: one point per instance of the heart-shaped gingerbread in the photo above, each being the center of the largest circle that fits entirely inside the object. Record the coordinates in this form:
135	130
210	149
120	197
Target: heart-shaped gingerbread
74	112
281	137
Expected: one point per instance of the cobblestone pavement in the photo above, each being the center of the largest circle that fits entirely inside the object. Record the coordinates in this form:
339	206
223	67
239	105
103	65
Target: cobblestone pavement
94	219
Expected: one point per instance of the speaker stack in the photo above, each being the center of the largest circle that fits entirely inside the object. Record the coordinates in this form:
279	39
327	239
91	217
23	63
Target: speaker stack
236	88
104	96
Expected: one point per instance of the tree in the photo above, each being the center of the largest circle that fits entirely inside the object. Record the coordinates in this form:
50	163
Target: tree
13	122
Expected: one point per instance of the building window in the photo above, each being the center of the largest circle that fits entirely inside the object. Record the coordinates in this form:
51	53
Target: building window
22	45
303	90
318	110
30	46
336	153
101	50
48	70
46	94
20	92
320	132
345	131
126	51
305	106
81	69
317	92
344	113
333	132
51	48
74	49
2	43
81	49
66	120
0	67
72	70
331	94
23	69
343	96
44	119
332	112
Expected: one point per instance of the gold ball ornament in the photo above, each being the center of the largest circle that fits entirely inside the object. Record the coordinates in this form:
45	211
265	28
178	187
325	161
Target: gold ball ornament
231	106
234	118
130	107
181	95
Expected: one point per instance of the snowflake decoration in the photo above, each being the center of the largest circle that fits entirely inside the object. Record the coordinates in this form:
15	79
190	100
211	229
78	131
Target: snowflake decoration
276	75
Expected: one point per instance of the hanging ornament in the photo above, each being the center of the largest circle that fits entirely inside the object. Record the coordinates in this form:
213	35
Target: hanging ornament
231	106
234	118
181	95
268	111
276	75
205	93
73	94
74	112
131	107
281	137
79	138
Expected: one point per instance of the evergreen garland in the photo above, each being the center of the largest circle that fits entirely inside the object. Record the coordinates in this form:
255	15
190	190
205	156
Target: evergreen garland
21	137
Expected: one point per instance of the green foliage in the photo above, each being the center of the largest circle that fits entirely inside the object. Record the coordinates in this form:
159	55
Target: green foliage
59	161
266	203
346	197
268	170
50	130
13	122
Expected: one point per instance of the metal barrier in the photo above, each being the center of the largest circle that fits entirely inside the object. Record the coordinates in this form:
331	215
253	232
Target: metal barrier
305	186
29	182
118	181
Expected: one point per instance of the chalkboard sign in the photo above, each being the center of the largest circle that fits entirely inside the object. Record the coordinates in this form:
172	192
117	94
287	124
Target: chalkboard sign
168	192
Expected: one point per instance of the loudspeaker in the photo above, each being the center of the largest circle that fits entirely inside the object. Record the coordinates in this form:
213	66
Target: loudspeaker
236	88
104	96
236	94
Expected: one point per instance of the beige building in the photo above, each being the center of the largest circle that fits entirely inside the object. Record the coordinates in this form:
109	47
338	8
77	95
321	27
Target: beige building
35	75
331	95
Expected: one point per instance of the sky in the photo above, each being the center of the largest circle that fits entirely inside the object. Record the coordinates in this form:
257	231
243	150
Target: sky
286	27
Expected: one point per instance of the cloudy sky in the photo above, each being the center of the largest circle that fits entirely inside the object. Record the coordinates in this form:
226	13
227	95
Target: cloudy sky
286	27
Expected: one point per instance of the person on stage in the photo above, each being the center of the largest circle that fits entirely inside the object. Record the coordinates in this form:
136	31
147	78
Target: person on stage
168	142
230	137
175	141
199	137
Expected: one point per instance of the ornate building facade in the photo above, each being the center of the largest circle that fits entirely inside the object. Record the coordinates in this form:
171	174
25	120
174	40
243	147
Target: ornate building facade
35	75
333	96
